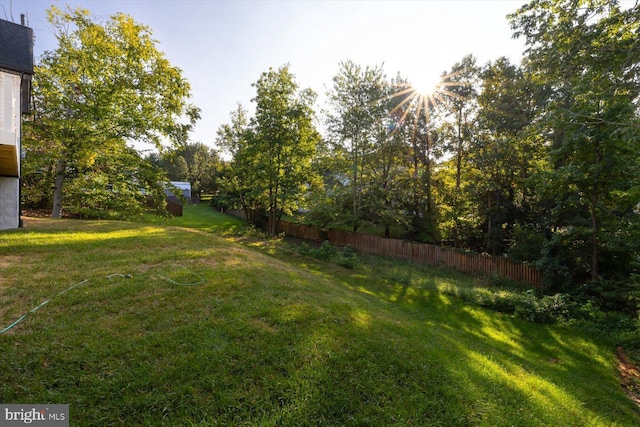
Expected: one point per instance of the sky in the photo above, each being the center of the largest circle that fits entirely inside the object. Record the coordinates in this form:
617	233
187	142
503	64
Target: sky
222	47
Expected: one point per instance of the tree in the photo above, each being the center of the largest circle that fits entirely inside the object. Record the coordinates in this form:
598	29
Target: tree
505	152
272	152
238	188
357	103
588	53
285	141
195	163
118	185
412	114
104	84
460	111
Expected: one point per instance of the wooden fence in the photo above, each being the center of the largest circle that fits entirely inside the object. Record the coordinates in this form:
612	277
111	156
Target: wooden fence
419	252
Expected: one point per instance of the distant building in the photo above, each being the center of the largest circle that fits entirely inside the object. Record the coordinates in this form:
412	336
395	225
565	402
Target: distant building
174	201
184	187
16	69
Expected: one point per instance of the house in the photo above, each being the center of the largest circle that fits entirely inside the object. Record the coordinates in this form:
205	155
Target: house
16	69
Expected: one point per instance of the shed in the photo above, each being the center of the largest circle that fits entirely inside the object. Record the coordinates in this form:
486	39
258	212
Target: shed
184	187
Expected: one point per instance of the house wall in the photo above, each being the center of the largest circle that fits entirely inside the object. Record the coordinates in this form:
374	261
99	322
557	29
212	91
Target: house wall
9	108
9	150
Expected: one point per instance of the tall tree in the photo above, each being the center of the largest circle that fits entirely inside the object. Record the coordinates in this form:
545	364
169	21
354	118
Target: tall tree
240	187
272	152
505	152
104	84
385	169
357	104
588	53
413	114
285	141
460	111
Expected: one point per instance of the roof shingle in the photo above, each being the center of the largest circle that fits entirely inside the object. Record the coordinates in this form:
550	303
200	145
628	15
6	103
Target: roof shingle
16	47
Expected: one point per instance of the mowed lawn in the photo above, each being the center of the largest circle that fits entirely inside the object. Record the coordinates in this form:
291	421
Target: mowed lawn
151	324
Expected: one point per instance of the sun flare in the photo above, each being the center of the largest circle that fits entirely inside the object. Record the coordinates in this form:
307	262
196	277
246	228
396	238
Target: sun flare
425	83
422	95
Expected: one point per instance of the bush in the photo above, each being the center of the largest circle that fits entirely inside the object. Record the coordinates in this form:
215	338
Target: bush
526	244
347	258
344	257
548	309
502	301
525	305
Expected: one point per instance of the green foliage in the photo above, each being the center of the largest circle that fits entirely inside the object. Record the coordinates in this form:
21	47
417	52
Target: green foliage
344	257
104	84
587	54
547	309
272	153
195	163
119	187
285	142
526	305
526	244
357	132
537	161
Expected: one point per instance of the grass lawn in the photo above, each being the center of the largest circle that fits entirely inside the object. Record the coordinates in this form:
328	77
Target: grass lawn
178	326
200	217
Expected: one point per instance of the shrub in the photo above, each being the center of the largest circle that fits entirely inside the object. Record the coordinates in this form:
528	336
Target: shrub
347	258
547	309
526	244
344	257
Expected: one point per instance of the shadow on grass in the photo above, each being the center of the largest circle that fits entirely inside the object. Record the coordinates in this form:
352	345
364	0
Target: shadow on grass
288	341
499	359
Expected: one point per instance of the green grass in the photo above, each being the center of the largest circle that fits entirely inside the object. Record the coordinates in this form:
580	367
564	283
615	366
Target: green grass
273	338
200	217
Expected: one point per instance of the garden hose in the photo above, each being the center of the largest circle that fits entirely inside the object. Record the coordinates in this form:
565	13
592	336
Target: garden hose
110	277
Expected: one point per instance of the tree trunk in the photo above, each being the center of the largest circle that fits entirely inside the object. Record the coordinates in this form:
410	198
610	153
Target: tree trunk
456	196
57	192
595	252
355	184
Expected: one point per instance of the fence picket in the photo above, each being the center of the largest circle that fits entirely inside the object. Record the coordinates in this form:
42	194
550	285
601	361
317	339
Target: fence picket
419	252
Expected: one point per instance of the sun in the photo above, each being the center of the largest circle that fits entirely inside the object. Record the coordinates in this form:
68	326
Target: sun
422	95
426	83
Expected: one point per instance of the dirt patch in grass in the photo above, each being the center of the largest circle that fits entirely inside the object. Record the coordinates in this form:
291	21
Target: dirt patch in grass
7	261
629	375
45	213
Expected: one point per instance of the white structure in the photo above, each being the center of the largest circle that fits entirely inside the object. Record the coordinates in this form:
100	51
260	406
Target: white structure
16	68
9	150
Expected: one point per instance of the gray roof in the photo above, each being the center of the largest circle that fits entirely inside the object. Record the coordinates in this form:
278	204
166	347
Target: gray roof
16	47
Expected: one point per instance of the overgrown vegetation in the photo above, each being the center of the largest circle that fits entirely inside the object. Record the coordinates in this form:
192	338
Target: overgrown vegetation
344	257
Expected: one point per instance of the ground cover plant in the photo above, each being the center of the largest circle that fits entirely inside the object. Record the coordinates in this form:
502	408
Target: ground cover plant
178	326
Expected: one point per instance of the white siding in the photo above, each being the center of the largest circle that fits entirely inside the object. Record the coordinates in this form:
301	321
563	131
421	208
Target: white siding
9	109
10	135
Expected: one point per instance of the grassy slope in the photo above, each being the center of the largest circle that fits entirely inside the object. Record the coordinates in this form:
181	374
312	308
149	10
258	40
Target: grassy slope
200	217
271	340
